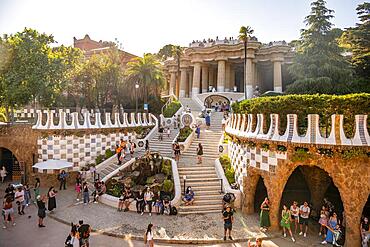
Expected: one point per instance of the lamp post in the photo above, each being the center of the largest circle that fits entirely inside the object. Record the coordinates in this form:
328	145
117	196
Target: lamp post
136	88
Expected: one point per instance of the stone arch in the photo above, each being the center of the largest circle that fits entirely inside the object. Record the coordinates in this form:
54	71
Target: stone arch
8	160
215	98
260	194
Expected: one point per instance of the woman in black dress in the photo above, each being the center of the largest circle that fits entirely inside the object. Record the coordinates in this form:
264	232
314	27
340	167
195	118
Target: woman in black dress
52	203
41	201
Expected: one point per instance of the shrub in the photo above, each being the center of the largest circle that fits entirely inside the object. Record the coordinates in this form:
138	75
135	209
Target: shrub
265	147
228	169
99	159
167	185
166	167
301	154
281	148
324	105
184	133
171	109
108	153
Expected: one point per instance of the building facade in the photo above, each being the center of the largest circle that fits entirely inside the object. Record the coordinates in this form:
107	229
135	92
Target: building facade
218	65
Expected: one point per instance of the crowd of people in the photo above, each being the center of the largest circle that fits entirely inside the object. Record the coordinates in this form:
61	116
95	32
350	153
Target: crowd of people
125	148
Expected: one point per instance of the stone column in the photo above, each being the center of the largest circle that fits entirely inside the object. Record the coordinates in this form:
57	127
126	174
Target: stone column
204	79
172	82
182	83
249	79
196	79
232	79
228	77
211	81
221	75
190	82
278	86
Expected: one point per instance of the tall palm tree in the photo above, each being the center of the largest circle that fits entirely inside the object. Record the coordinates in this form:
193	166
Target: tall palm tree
177	52
244	34
146	71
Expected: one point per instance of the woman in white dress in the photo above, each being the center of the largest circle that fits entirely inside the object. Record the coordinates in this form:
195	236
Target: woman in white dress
148	238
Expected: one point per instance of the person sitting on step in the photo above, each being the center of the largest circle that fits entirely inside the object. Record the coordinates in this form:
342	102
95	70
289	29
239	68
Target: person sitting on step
189	196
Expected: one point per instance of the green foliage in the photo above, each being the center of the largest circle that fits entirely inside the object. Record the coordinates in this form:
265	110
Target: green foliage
265	146
150	180
229	170
300	154
251	144
326	152
165	52
325	105
99	159
115	190
281	148
108	153
318	66
168	185
172	108
354	153
166	167
184	133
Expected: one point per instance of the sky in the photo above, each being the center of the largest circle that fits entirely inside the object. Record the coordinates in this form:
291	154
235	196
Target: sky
147	25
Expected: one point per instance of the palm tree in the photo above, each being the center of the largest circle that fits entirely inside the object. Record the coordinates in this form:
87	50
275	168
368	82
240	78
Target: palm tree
146	71
177	52
244	34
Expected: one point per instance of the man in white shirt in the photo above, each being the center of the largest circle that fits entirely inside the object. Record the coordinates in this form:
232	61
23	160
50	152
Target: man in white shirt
304	214
19	199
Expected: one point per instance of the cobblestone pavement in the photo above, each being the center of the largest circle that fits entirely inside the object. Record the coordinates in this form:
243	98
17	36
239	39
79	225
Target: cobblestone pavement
107	219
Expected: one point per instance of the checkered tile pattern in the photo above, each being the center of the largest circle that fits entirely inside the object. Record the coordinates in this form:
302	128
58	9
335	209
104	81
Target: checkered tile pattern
78	150
242	156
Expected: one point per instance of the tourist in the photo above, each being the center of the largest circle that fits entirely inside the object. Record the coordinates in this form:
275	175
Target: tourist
132	148
294	211
197	131
304	214
3	173
140	202
84	231
189	196
158	205
365	233
36	189
223	122
118	152
8	211
168	132
127	197
199	153
85	191
228	221
121	201
148	237
100	190
79	178
62	178
208	121
78	188
160	132
27	194
146	146
41	212
187	109
52	203
148	201
332	229
73	238
265	215
323	221
178	121
92	171
19	200
9	192
285	221
166	206
174	122
176	149
258	243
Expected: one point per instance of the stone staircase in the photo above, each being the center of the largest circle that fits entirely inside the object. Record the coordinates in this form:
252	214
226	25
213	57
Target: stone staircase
193	105
202	177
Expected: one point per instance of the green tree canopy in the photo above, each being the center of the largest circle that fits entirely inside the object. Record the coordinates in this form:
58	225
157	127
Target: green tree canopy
319	58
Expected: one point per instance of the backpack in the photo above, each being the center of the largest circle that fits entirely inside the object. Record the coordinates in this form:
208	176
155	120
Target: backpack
173	211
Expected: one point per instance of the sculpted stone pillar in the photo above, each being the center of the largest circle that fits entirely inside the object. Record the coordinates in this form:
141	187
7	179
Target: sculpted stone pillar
211	76
227	77
190	82
221	76
249	79
278	86
204	79
183	82
196	79
172	82
232	79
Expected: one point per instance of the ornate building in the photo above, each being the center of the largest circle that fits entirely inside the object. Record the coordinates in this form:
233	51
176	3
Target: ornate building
219	64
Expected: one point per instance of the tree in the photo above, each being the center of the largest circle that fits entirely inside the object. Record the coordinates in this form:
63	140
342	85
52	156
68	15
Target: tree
166	52
244	34
319	60
177	52
357	40
146	71
32	69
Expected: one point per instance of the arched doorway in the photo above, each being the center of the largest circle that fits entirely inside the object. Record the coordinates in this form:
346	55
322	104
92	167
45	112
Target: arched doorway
366	211
11	164
214	99
260	194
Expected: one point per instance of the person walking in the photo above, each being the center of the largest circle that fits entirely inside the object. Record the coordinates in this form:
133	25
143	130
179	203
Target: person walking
132	148
27	195
84	231
160	132
63	179
197	131
148	200
52	203
118	152
19	200
86	195
228	222
304	214
285	221
265	215
146	146
78	188
36	189
208	121
73	238
199	153
168	132
41	212
294	211
148	237
176	149
8	211
332	227
3	173
323	221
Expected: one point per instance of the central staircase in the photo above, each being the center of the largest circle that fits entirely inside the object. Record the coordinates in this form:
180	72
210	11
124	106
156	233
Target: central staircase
203	177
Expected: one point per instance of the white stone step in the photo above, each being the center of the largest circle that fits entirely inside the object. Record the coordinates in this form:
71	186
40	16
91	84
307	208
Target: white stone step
202	202
213	211
201	207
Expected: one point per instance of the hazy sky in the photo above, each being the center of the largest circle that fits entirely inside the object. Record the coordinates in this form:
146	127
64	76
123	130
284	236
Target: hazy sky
147	25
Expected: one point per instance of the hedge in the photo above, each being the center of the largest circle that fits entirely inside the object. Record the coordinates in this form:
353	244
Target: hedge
171	109
324	105
228	169
184	133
